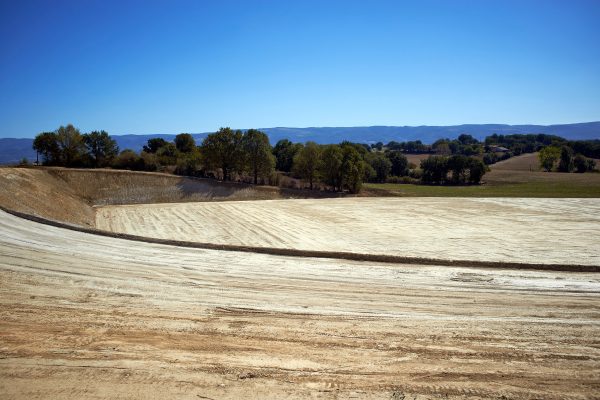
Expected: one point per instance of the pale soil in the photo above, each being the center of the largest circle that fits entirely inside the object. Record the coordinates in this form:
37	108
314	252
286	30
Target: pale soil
85	316
66	194
549	231
36	192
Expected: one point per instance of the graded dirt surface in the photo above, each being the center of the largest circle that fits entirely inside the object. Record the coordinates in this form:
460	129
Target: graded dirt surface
86	316
546	231
68	194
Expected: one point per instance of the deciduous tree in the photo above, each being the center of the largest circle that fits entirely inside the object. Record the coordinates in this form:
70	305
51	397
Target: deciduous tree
46	144
399	163
101	148
223	149
435	169
548	157
284	152
185	143
71	145
258	154
154	144
381	165
566	159
331	166
307	163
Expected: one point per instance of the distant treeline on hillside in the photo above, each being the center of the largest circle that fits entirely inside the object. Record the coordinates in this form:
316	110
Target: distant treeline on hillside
248	156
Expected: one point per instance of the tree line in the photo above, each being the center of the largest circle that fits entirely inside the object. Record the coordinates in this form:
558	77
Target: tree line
496	147
248	156
564	159
66	146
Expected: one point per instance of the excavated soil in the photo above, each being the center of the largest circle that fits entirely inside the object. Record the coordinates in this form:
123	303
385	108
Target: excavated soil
97	317
86	316
68	195
545	231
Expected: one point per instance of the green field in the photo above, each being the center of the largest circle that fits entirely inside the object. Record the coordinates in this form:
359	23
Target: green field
515	177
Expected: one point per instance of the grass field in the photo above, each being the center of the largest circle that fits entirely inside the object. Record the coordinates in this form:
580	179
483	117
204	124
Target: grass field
515	177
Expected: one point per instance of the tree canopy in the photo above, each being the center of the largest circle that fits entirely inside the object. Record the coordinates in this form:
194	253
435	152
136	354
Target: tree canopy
258	154
223	149
307	163
185	143
101	148
548	157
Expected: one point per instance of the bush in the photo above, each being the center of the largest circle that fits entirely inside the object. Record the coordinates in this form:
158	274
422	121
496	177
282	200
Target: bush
490	158
128	159
402	180
149	162
416	173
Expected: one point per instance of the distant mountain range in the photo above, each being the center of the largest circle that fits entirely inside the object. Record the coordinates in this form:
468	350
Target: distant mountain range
13	150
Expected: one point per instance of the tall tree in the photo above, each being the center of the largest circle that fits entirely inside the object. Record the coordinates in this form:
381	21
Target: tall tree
458	166
284	152
399	163
71	144
223	149
258	154
566	159
331	166
307	163
381	165
548	157
101	147
46	143
435	169
167	154
185	143
476	170
353	168
154	144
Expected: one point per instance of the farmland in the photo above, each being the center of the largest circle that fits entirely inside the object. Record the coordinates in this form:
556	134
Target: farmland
516	177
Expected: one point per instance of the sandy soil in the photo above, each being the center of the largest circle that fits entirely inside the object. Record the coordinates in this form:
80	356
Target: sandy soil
551	231
34	191
67	194
85	316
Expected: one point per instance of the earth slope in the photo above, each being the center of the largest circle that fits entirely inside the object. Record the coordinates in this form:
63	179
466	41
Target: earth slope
86	316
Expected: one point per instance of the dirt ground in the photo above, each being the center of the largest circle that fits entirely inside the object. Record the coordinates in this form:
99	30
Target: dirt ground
85	316
67	194
549	231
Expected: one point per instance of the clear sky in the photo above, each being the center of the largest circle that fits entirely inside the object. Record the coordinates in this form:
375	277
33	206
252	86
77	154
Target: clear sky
193	66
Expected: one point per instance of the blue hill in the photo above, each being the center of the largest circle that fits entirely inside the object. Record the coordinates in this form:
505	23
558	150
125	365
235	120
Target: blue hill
13	150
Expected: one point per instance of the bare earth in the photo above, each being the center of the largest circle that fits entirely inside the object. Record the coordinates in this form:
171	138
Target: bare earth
551	231
85	316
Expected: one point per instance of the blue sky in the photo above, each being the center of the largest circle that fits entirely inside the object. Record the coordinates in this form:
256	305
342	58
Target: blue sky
193	66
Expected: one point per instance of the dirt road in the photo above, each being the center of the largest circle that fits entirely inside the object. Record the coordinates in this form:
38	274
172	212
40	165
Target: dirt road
551	231
84	316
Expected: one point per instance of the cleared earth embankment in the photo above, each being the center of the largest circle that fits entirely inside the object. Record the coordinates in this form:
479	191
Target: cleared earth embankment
68	195
510	230
84	315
